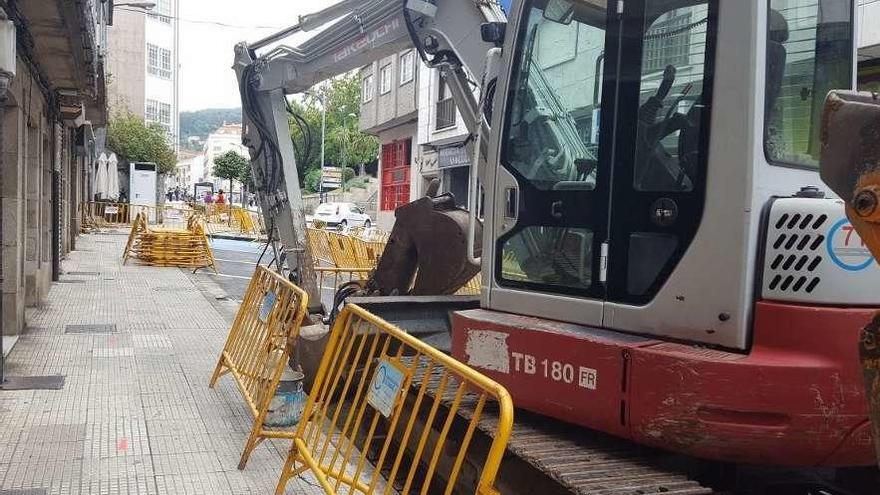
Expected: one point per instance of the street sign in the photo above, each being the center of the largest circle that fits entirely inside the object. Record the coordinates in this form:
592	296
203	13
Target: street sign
331	178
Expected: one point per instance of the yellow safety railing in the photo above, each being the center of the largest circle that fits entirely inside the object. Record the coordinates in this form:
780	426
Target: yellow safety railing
472	288
380	413
319	244
103	214
160	246
256	349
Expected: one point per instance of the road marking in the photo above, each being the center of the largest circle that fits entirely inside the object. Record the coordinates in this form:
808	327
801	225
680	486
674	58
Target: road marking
236	261
224	275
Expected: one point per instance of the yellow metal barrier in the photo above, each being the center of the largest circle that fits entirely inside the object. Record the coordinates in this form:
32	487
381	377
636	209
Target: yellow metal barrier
374	384
103	214
256	348
472	288
319	244
183	247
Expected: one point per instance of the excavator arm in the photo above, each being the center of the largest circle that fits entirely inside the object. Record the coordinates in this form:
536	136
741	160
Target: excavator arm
850	166
447	36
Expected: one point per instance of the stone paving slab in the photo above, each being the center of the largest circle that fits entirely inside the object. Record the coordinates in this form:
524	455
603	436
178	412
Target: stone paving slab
135	415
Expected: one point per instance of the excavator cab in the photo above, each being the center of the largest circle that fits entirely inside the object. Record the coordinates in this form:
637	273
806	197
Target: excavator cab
660	260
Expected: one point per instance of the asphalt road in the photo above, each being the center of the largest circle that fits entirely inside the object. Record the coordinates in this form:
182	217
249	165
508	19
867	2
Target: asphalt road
236	262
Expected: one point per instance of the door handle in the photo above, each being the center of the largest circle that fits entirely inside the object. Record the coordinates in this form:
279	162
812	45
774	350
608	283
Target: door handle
556	209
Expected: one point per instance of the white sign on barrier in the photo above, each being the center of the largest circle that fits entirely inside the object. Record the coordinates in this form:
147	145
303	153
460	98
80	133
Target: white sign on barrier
111	210
385	387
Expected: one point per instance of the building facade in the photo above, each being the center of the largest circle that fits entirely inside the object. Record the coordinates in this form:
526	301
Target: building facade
226	138
52	103
869	45
442	136
143	65
389	111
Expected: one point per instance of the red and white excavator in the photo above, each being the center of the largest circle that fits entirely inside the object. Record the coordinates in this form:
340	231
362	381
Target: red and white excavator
659	258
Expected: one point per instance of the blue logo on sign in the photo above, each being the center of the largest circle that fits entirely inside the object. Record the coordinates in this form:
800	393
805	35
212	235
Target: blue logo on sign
845	247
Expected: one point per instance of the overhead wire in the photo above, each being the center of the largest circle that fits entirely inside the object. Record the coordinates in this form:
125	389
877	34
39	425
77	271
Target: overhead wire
197	21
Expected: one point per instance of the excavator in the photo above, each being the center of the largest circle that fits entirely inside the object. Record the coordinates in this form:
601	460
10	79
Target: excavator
659	259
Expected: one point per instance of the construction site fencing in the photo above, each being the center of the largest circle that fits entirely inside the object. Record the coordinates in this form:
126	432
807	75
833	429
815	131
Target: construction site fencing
256	349
162	246
229	219
345	255
381	410
103	214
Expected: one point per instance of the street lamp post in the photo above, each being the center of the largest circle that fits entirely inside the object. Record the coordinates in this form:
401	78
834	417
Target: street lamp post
345	137
323	99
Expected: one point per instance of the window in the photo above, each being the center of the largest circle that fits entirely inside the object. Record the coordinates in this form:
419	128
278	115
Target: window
670	124
158	112
407	67
396	160
162	11
809	52
385	79
367	89
668	41
159	61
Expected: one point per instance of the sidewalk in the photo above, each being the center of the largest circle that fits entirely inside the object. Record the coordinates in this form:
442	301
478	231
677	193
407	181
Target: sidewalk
135	414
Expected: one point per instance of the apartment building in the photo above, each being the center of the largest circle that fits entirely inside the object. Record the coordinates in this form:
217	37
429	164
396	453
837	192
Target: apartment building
442	136
389	111
143	64
51	105
226	138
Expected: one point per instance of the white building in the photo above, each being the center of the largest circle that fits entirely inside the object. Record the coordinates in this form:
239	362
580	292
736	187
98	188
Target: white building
226	138
190	167
441	137
143	64
161	86
869	30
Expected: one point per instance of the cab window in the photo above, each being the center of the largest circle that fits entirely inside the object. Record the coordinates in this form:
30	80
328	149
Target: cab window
809	53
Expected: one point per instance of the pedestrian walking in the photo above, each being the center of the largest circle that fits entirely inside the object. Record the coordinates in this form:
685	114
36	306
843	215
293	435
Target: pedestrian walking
221	198
208	198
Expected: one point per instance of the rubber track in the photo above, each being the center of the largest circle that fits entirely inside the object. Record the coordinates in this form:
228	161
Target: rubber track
583	461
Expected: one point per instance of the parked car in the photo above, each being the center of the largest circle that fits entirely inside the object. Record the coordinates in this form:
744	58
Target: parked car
342	215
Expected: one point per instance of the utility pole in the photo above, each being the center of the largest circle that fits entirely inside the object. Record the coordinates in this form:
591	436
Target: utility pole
323	100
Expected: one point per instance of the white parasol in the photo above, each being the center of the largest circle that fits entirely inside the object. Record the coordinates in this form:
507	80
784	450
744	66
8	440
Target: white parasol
113	177
101	177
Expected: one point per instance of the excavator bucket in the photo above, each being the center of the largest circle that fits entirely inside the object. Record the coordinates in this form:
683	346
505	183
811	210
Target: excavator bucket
426	252
850	165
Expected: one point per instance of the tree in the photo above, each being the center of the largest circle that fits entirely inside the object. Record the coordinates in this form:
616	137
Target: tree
230	165
135	141
344	143
200	123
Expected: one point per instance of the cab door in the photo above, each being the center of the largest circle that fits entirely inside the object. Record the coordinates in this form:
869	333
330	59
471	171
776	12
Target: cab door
549	194
659	185
602	154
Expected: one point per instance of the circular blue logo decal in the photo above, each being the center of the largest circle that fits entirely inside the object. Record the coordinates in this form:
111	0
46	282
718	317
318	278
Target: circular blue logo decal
846	249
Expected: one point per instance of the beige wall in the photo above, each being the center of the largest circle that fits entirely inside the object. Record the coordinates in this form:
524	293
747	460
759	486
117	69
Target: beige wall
126	62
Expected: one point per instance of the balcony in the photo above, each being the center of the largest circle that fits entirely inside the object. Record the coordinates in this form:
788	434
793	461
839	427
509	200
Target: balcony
445	114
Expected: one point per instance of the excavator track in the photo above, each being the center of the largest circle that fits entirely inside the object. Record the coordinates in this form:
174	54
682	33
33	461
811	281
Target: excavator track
545	456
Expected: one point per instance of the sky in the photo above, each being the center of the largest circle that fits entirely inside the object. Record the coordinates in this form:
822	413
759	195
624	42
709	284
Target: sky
207	48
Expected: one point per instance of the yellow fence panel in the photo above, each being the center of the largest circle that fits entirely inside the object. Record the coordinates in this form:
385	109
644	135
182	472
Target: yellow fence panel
319	244
187	246
256	348
374	423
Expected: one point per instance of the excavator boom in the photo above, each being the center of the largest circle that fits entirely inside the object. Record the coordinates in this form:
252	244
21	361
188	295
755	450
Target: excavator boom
447	34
